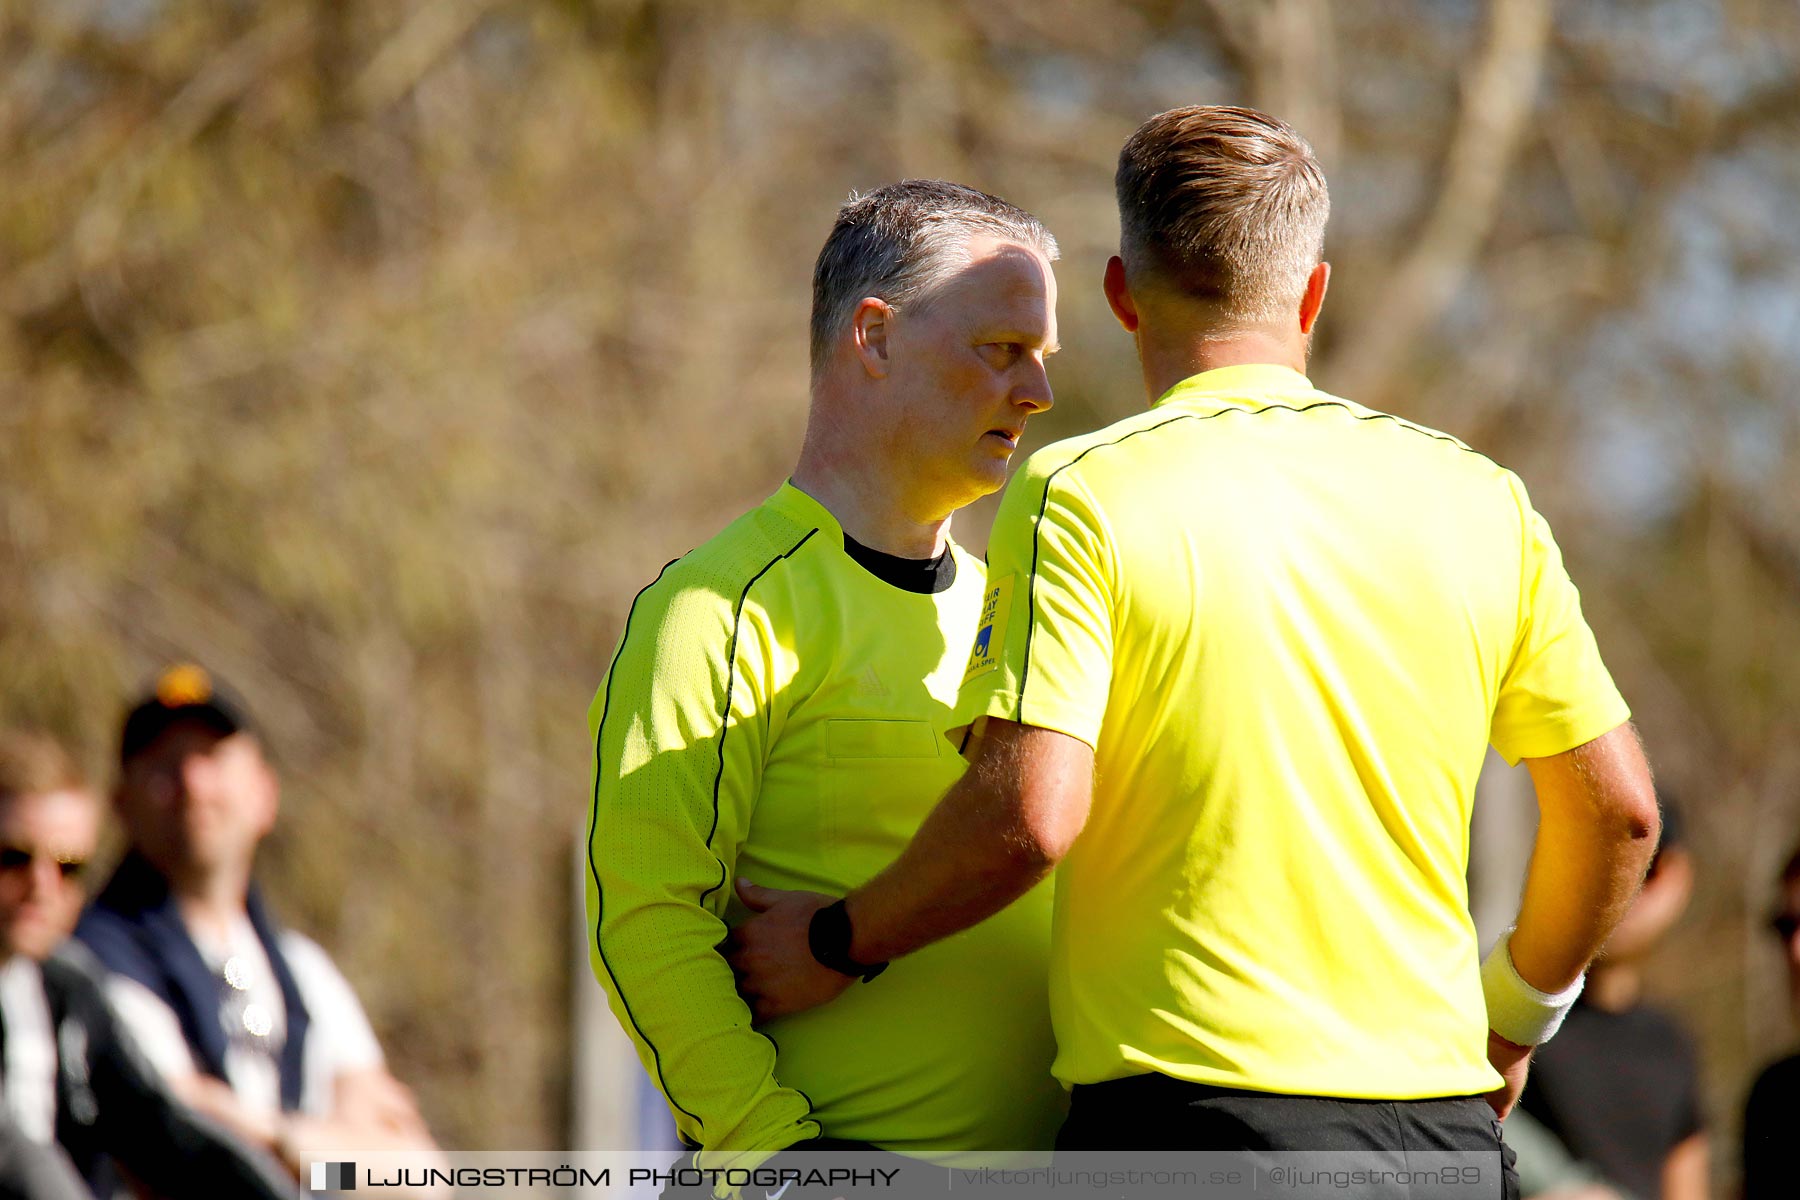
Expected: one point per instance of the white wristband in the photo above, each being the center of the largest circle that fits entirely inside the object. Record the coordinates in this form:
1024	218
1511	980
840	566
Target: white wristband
1517	1011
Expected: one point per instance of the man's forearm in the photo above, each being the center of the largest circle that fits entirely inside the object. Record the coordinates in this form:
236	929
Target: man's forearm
1596	834
1000	830
968	861
993	836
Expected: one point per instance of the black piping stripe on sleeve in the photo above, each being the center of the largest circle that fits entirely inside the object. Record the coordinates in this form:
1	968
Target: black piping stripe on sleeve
737	619
594	812
1044	504
810	1106
594	867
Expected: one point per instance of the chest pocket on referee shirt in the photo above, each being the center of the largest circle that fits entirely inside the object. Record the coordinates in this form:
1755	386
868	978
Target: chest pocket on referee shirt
848	739
881	778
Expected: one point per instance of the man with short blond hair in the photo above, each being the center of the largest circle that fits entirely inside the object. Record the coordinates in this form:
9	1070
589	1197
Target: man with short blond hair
1249	650
1229	212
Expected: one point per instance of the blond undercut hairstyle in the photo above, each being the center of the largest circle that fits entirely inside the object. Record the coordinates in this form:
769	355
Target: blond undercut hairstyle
1223	205
35	764
899	242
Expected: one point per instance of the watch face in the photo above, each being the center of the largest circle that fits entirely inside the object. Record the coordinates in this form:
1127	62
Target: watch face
828	936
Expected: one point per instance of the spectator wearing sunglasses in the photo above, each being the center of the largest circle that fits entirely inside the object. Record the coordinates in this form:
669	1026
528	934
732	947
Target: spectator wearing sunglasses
1773	1112
248	1021
70	1076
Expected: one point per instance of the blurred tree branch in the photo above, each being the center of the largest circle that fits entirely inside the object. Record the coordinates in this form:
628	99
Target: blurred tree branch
428	34
1498	92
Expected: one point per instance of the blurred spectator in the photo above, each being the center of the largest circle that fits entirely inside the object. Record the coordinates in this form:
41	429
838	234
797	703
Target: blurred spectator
68	1074
1772	1116
249	1022
1547	1171
1619	1086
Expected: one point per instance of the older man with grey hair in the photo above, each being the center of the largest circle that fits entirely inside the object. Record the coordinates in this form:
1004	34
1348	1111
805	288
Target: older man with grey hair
777	709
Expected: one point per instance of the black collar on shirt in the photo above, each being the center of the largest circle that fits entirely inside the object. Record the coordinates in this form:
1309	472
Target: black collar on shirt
926	576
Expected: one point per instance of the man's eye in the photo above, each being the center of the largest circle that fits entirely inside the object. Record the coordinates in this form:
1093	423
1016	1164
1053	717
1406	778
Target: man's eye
1001	354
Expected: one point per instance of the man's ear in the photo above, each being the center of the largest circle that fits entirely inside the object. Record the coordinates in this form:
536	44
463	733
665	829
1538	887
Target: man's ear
1118	294
1313	299
869	328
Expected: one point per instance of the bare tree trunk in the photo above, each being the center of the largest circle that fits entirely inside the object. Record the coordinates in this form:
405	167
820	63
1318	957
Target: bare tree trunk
1498	95
1295	71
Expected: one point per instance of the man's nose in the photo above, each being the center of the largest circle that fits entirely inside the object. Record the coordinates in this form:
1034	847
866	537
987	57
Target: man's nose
1034	392
194	776
45	875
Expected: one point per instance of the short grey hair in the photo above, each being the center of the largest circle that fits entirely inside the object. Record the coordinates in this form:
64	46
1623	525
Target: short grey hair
900	241
1225	205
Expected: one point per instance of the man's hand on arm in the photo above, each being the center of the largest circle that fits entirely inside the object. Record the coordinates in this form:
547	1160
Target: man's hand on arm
1597	830
1002	828
771	954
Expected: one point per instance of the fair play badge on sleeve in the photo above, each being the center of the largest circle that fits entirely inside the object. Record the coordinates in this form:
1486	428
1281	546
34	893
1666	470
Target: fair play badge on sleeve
990	631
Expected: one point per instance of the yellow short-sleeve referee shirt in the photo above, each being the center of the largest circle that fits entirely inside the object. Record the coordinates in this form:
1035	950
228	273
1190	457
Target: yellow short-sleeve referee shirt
1289	626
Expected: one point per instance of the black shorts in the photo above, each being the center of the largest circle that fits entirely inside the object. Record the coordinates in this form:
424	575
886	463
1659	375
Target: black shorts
1155	1112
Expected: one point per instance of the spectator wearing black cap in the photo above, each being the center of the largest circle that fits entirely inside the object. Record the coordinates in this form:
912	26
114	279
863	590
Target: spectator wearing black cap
249	1022
1773	1112
1620	1085
70	1076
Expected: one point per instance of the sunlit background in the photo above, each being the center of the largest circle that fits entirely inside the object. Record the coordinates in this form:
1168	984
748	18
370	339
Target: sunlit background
375	354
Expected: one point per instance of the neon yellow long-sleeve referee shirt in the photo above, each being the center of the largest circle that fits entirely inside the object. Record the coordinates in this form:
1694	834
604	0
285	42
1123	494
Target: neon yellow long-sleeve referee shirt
777	710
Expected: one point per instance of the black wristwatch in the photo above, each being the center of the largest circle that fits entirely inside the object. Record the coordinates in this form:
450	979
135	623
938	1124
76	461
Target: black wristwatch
829	938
